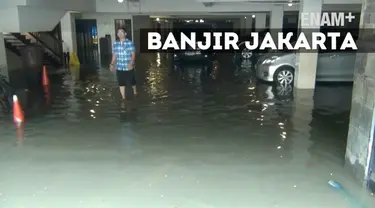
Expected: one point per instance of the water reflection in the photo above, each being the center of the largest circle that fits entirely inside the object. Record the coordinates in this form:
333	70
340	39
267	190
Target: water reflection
275	93
184	138
158	61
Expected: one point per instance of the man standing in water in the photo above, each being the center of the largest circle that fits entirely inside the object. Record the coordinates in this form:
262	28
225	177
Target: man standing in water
123	57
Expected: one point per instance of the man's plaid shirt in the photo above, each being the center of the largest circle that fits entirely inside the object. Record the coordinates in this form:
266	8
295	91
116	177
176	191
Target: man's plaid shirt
124	51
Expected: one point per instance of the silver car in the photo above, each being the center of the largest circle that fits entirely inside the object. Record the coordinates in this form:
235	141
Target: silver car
280	67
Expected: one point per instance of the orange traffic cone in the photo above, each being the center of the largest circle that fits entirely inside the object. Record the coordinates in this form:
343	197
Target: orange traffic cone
17	112
45	76
20	134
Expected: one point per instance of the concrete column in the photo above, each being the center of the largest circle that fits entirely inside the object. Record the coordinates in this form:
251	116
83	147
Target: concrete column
245	24
307	62
360	149
276	17
3	57
301	120
260	21
68	31
164	27
169	26
237	23
139	22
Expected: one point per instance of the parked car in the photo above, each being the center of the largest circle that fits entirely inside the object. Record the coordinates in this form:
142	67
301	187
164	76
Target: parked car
280	67
194	55
245	54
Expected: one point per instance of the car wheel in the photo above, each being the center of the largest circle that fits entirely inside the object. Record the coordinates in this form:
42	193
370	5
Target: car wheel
246	53
246	64
284	76
284	92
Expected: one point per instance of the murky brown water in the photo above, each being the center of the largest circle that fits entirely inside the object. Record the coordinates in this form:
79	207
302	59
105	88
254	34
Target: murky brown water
188	140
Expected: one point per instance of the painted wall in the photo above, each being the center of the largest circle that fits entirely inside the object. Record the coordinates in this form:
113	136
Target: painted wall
9	21
105	22
362	117
11	3
174	6
139	22
42	19
29	19
38	15
68	31
170	7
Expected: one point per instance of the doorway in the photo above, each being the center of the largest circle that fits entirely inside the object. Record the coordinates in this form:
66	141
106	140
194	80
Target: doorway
126	24
87	42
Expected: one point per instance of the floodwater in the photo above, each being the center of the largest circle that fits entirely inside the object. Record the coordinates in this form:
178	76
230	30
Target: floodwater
189	140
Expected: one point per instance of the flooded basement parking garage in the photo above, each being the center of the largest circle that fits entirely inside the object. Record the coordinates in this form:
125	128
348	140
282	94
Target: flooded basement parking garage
189	140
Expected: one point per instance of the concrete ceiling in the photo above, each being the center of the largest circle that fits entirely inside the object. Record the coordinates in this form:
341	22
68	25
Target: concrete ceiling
294	8
250	1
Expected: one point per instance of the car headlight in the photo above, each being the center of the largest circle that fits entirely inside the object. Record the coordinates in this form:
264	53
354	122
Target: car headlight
270	60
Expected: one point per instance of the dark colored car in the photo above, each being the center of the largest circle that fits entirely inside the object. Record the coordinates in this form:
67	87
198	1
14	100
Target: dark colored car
193	55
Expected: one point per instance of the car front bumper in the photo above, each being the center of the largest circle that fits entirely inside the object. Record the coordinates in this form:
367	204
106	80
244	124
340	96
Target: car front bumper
183	56
265	72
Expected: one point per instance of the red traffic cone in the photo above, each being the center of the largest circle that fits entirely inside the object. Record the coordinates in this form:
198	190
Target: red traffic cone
45	76
20	134
18	117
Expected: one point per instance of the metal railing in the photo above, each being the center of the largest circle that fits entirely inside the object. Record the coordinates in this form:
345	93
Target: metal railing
51	43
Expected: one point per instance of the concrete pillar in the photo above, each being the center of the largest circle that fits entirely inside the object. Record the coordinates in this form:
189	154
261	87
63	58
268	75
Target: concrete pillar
301	119
237	23
170	26
360	149
164	27
260	21
3	57
139	22
307	62
68	31
276	17
245	24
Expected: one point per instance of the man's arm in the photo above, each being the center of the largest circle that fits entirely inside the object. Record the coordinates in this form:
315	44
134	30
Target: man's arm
114	56
114	53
